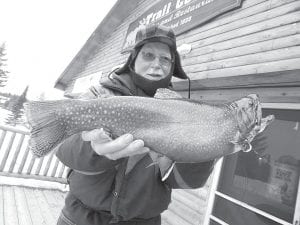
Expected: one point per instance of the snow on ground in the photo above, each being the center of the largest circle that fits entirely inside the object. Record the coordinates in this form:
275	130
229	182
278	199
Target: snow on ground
33	183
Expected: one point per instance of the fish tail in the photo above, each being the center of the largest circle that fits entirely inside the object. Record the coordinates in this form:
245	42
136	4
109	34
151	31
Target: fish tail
46	130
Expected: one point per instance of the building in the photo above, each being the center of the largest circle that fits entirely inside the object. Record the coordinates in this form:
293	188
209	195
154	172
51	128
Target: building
230	48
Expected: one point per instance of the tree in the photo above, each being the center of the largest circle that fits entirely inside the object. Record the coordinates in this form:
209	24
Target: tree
3	72
23	95
16	107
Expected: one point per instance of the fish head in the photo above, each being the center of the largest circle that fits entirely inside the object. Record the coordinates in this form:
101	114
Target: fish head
249	119
249	103
248	111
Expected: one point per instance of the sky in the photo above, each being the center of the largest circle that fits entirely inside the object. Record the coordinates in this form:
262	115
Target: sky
42	37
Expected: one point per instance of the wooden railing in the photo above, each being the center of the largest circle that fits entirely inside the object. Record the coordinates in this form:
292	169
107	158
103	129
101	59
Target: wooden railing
16	160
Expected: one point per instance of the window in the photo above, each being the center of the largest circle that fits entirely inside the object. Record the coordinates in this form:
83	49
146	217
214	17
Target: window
260	187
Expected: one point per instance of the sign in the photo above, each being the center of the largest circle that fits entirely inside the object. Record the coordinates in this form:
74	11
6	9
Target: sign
180	15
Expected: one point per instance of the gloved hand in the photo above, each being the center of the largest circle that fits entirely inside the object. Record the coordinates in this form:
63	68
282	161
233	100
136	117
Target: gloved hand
120	147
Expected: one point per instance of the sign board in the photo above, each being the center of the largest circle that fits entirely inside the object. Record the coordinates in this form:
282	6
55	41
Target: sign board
180	15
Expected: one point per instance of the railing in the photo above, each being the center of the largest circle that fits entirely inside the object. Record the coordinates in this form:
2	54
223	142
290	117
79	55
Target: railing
16	160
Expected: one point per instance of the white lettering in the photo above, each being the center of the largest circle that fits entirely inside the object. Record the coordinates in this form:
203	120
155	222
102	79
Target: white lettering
154	16
167	20
179	4
169	6
158	15
174	25
164	10
148	18
185	20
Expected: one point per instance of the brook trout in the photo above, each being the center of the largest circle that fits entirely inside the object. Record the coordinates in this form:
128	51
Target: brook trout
181	129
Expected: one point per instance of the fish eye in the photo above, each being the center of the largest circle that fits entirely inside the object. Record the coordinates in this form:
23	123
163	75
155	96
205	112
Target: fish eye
251	102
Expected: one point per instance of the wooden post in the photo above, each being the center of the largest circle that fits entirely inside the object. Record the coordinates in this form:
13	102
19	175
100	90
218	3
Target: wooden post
48	164
38	169
31	164
25	156
55	167
2	137
60	174
13	162
4	159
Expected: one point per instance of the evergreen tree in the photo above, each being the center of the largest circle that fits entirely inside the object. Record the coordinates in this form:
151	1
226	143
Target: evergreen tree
23	95
16	107
3	72
16	114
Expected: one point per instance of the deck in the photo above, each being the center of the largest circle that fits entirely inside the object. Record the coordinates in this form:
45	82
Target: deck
21	205
32	190
24	205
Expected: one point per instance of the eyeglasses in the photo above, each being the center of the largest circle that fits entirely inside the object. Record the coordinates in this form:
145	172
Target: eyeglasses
150	57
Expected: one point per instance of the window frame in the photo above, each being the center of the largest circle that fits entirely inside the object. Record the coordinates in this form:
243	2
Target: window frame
217	174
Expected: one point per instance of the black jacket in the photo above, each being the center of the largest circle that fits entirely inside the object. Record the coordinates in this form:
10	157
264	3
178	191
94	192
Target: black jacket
99	185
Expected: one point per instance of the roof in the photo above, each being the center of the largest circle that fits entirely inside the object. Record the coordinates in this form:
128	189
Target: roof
112	20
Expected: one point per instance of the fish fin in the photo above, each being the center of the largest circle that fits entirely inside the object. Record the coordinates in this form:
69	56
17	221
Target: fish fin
166	93
152	164
155	156
46	131
167	168
168	172
165	164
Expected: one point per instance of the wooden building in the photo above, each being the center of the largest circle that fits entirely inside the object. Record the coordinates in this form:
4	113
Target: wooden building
230	48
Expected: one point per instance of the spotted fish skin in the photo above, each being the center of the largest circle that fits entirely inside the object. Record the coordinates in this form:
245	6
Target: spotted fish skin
183	130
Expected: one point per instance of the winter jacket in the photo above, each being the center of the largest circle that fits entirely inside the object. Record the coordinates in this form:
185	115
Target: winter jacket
102	187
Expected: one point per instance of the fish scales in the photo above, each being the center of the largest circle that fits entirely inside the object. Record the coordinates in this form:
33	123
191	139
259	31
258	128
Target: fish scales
183	130
157	123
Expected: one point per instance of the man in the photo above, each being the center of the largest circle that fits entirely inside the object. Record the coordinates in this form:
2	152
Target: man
111	181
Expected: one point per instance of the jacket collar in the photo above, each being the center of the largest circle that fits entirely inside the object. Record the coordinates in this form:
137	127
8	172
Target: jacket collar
123	84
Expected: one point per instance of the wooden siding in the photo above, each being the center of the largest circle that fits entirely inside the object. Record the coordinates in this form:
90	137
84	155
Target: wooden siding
187	207
254	49
235	45
260	37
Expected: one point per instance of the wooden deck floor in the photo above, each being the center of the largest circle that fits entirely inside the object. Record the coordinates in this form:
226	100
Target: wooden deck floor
21	205
29	206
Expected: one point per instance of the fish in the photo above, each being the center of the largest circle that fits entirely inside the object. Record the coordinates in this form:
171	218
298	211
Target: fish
184	130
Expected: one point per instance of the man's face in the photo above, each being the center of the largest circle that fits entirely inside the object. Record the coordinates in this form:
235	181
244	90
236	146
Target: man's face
154	61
